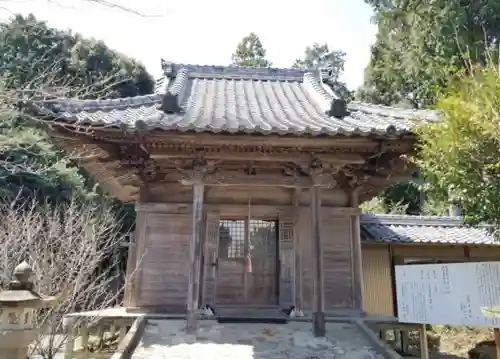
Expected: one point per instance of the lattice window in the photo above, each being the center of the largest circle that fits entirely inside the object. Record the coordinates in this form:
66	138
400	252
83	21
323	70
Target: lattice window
232	239
262	237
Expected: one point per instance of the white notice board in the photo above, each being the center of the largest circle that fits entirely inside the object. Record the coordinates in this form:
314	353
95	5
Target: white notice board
452	294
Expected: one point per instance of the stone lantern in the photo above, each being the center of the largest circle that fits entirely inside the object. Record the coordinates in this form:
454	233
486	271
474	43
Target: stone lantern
18	306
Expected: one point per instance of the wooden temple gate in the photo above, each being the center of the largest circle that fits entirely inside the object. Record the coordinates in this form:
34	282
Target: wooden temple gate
247	185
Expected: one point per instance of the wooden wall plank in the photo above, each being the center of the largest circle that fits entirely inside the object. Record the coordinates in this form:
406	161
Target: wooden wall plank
338	261
165	264
169	230
491	253
378	299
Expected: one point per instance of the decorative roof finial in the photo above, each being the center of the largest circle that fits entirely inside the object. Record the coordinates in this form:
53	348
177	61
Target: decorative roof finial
170	103
338	109
167	67
325	74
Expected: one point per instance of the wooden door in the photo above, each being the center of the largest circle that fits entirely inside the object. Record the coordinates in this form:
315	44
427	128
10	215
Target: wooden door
247	263
262	281
231	263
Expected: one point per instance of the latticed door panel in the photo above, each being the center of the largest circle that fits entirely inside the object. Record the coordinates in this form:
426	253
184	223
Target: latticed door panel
262	283
287	259
231	263
210	258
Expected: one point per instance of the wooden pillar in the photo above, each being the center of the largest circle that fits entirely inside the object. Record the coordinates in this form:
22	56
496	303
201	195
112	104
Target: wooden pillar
405	345
195	251
357	278
496	333
394	261
297	268
424	345
246	252
130	275
319	324
141	223
467	253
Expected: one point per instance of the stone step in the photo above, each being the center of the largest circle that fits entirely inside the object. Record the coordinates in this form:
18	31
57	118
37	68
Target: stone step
167	339
251	315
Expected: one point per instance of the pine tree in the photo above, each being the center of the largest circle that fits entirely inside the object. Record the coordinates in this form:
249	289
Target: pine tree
250	53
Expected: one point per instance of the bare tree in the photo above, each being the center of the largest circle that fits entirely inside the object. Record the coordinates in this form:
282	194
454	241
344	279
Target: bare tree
73	247
74	250
112	4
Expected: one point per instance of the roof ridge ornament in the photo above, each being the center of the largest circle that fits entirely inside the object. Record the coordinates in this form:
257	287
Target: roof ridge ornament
324	74
338	108
174	88
168	68
170	103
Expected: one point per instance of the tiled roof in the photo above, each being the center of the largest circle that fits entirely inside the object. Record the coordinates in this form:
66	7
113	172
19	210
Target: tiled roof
239	100
423	229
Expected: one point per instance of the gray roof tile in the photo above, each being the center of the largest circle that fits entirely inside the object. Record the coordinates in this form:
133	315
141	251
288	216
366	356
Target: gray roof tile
423	229
234	100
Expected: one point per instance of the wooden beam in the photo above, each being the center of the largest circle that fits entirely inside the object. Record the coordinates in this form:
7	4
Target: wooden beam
257	209
319	323
309	143
236	178
195	258
201	139
259	156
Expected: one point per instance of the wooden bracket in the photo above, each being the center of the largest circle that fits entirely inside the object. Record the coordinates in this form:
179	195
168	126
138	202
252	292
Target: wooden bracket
197	171
322	173
136	155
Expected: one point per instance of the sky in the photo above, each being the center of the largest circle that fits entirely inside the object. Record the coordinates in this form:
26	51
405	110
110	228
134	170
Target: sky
207	32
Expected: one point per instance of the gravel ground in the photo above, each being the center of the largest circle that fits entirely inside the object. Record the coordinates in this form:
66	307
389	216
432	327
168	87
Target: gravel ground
167	339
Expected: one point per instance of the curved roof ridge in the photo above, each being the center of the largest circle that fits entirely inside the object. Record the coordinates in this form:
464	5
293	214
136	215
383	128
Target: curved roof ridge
412	220
388	111
171	69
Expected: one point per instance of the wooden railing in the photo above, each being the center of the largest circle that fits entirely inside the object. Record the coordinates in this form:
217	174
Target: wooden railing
100	337
407	339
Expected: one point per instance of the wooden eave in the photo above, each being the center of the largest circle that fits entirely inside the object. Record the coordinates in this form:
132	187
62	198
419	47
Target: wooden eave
103	155
340	142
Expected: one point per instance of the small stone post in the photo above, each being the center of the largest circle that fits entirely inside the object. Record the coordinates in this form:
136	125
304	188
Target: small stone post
18	305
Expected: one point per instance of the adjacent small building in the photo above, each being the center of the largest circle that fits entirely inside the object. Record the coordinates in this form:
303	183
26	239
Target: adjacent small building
247	184
389	240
